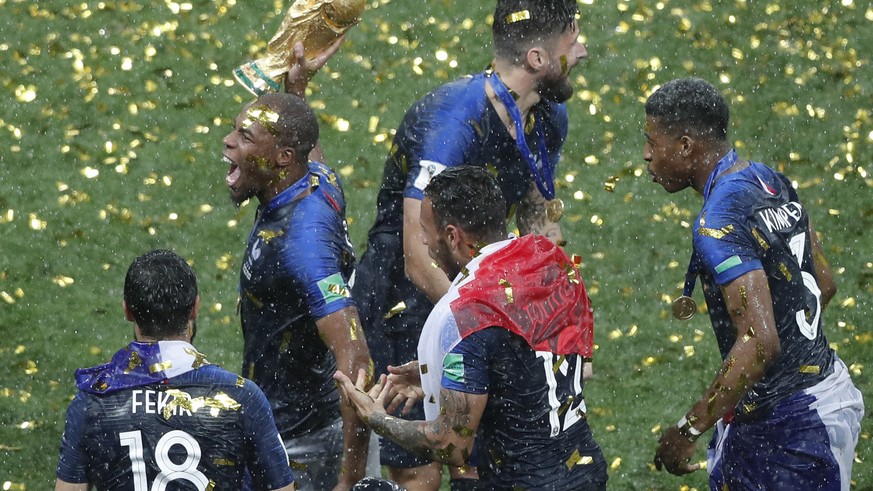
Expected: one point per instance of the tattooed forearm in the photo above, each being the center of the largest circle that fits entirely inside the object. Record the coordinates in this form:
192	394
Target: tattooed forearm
446	439
411	435
532	217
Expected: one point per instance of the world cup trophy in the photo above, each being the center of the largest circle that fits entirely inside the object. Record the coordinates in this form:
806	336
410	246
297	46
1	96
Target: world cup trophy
315	23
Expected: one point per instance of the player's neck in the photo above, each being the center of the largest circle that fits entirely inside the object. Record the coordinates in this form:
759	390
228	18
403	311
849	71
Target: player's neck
151	340
520	83
706	164
522	89
284	180
142	338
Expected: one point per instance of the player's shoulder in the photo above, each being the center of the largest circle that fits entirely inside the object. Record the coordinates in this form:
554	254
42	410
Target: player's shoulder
460	87
746	190
459	100
492	340
328	179
215	376
325	195
556	111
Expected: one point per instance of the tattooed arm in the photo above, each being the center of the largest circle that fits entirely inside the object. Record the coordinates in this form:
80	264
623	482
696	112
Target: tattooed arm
447	439
531	217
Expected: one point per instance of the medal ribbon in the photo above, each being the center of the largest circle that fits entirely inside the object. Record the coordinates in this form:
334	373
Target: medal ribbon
691	275
543	174
724	164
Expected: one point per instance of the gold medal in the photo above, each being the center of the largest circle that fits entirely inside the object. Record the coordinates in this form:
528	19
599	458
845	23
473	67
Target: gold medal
684	308
555	210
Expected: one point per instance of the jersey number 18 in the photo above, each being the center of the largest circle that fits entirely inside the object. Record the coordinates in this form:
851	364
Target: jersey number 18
170	471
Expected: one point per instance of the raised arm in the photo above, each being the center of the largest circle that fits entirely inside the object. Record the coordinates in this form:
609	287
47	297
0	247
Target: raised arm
300	72
531	217
342	333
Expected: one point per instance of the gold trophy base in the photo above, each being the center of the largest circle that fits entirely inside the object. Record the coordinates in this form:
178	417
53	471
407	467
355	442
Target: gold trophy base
315	23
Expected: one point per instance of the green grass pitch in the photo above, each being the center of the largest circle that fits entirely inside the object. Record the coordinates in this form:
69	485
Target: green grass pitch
112	115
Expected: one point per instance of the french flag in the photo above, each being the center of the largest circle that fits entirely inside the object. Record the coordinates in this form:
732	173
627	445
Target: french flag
767	188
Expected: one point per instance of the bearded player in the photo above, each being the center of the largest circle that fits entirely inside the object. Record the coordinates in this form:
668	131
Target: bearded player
510	119
503	351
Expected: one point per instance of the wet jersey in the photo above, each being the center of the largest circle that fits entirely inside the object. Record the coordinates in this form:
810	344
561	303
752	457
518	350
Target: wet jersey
294	272
453	125
160	417
533	430
753	219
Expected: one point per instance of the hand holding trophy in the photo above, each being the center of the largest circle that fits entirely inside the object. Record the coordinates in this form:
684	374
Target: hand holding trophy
316	24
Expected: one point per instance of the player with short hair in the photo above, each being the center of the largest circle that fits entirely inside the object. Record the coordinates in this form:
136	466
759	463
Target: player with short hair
298	318
503	351
511	119
786	413
159	415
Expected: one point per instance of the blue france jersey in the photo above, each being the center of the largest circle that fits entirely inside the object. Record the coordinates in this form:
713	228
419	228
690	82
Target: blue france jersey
294	272
453	125
753	220
456	125
533	433
195	431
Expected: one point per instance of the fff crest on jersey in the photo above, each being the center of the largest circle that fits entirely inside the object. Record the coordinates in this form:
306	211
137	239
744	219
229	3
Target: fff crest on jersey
684	308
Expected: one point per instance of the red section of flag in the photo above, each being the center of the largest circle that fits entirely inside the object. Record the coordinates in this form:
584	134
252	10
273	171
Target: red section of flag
531	288
767	188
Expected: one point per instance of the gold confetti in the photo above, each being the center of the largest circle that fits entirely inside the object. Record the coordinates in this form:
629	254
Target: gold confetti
400	307
353	328
287	336
463	431
728	366
578	459
507	290
785	272
518	16
572	275
715	233
760	352
268	235
161	366
199	358
264	115
133	362
442	454
183	401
